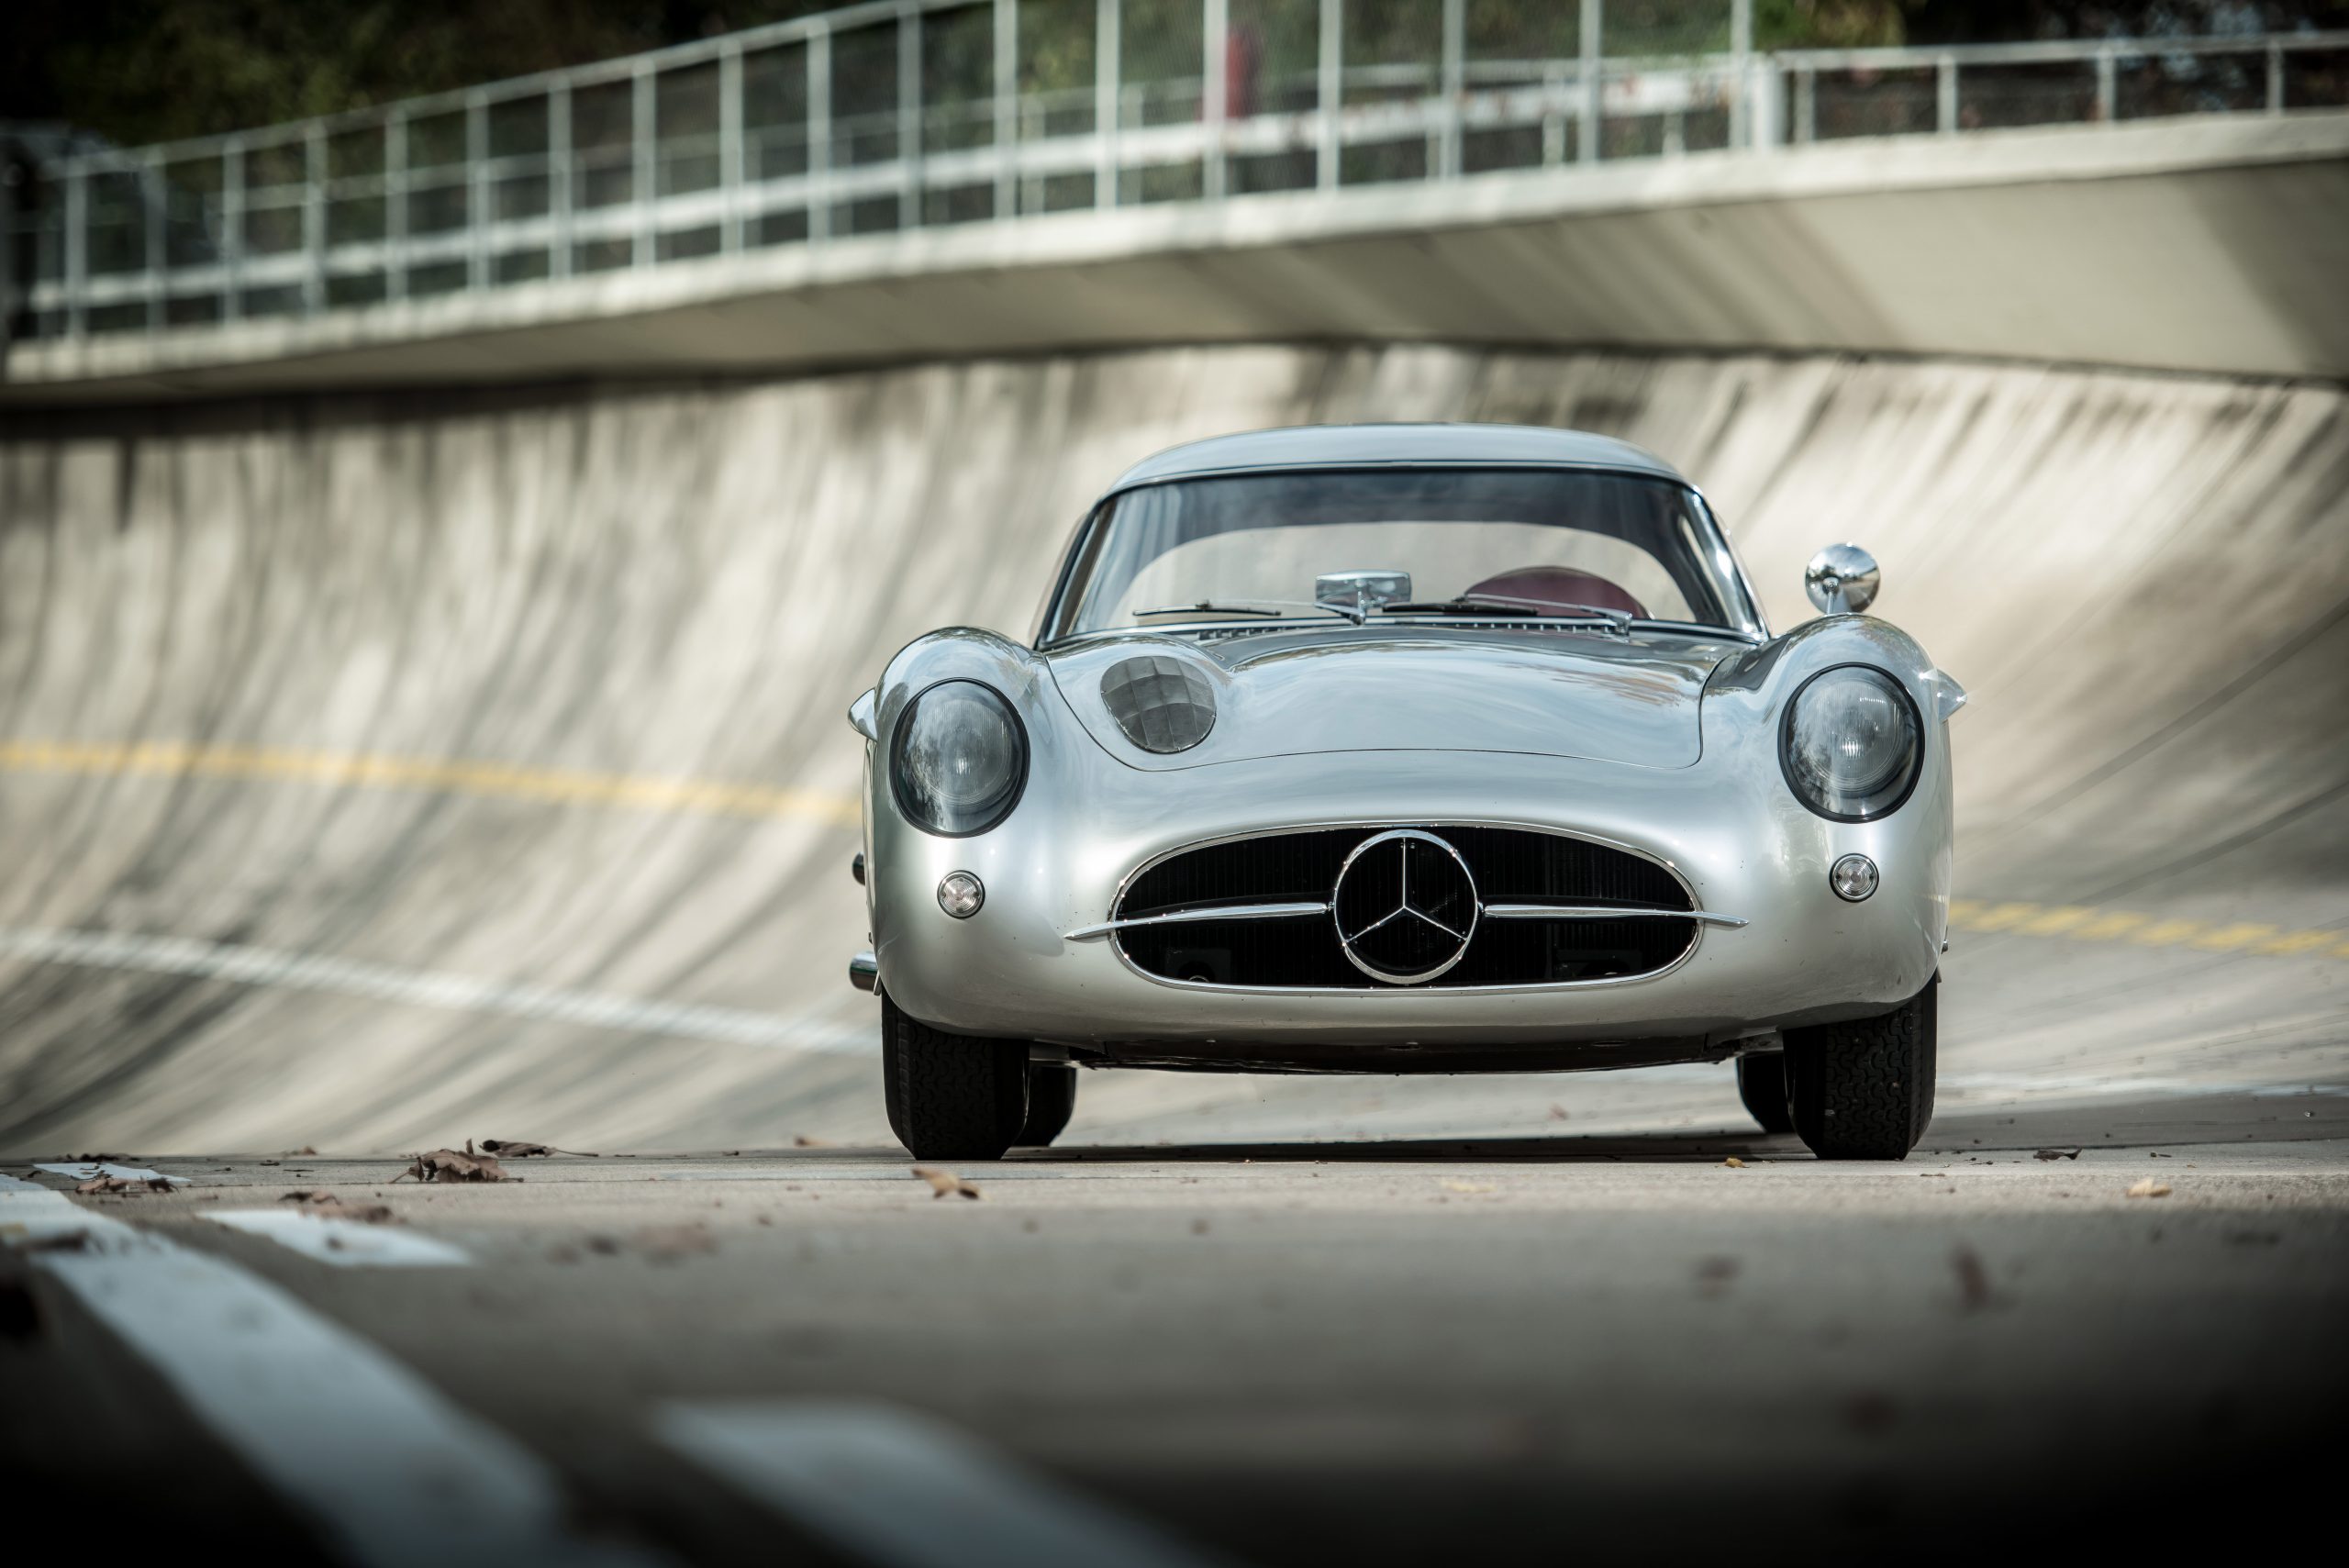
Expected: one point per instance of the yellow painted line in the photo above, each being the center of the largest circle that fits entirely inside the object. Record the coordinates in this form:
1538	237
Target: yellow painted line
358	770
2082	923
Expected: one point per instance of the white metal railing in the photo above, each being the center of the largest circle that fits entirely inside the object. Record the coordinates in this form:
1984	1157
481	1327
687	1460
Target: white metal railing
903	114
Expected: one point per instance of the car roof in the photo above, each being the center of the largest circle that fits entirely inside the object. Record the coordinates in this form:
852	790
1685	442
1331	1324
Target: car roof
1367	446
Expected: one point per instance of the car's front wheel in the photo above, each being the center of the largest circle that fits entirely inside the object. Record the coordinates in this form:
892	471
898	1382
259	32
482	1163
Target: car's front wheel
1762	1085
952	1097
1863	1089
1051	1100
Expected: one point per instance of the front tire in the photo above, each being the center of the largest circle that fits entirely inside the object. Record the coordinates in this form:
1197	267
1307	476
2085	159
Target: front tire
1762	1085
952	1097
1051	1100
1863	1090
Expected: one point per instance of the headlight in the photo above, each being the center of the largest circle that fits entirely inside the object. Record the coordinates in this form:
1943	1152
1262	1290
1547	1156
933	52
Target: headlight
959	760
1853	745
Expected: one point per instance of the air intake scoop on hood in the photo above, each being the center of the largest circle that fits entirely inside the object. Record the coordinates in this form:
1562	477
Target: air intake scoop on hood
1376	689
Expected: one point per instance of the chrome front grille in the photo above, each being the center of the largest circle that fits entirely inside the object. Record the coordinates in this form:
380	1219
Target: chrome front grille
1167	922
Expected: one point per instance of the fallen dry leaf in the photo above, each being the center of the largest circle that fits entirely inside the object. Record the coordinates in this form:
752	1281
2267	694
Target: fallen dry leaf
1869	1412
668	1243
1734	1163
945	1184
513	1148
1557	1113
804	1142
448	1165
305	1149
107	1185
1713	1275
2149	1188
2057	1154
325	1205
1973	1279
1470	1187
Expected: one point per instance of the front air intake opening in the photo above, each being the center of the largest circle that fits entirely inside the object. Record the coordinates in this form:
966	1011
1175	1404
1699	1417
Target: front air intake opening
1511	866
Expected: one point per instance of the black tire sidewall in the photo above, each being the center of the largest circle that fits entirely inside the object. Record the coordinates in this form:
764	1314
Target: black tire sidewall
950	1096
1863	1089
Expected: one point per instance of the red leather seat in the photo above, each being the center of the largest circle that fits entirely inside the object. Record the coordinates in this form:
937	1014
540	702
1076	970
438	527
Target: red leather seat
1560	586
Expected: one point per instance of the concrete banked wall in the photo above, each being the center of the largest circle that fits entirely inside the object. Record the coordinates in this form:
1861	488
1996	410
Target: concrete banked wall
519	600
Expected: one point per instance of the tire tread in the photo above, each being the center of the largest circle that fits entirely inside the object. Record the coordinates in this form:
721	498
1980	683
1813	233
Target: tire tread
952	1097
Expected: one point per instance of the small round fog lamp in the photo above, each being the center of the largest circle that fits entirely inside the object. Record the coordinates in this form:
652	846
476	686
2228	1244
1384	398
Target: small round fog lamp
1853	878
960	893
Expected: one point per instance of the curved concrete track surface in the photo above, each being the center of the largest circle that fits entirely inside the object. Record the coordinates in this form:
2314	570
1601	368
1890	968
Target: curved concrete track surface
377	772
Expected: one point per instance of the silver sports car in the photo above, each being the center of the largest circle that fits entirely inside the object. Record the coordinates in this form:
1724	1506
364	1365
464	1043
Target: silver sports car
1391	748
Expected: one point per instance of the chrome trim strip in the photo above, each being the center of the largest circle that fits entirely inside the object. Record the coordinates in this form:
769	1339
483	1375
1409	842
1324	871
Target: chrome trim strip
1605	912
1139	972
1176	916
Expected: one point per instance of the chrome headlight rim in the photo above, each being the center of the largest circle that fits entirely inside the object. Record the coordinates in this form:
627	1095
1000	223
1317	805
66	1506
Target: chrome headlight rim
904	729
1916	769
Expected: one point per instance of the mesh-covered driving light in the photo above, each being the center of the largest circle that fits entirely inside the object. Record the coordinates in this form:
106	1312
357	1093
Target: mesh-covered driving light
1162	704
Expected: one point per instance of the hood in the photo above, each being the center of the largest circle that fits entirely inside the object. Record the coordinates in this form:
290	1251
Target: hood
1561	694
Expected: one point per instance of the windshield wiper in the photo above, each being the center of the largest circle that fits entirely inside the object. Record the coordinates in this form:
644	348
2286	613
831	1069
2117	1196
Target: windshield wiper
1532	609
1270	608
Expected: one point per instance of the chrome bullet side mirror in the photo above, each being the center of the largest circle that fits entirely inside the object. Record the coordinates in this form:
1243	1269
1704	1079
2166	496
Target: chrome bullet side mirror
1842	580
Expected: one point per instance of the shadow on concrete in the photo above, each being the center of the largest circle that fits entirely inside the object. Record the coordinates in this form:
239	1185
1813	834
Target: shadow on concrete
1957	1133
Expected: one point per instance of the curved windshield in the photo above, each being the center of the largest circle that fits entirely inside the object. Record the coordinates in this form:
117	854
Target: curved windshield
1544	544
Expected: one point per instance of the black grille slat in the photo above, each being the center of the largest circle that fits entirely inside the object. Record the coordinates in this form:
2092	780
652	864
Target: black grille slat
1511	865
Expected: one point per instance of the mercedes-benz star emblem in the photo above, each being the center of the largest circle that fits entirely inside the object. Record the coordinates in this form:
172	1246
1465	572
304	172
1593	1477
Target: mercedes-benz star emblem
1404	906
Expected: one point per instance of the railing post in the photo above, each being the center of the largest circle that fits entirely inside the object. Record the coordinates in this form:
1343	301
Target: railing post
314	219
643	137
730	147
1107	45
395	203
2275	77
1332	94
909	114
1741	48
77	249
820	133
158	210
232	228
1767	82
1007	104
477	189
559	179
2108	95
1945	95
1807	106
8	309
1553	118
1215	102
1455	80
1586	137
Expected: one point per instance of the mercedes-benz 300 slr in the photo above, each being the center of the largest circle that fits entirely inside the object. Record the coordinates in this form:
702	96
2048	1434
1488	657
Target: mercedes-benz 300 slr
1398	749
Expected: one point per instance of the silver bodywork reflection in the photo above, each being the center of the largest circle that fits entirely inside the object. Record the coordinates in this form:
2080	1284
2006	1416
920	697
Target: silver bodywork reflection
1664	745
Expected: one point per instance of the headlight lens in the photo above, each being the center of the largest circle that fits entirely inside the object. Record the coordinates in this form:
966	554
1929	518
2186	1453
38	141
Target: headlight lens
959	760
1853	745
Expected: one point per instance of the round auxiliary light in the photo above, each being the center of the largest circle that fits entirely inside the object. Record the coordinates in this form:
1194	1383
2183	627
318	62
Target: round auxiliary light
960	893
1853	878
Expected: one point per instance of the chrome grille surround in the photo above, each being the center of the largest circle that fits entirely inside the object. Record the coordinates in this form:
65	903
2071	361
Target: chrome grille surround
1165	927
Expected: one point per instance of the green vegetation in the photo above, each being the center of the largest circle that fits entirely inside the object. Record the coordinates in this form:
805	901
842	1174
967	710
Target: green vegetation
143	71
